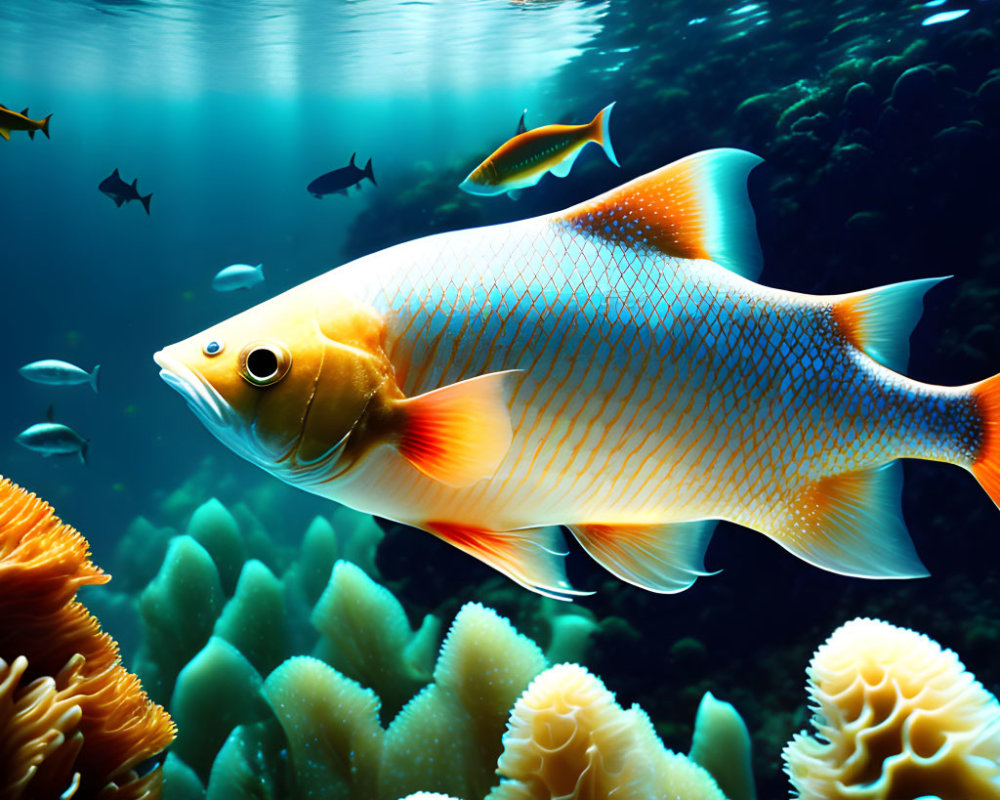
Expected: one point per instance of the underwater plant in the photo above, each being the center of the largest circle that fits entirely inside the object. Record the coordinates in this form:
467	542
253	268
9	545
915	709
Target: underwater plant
895	716
73	721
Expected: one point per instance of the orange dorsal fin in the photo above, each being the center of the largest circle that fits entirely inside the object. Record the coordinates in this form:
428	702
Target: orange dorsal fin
532	557
458	434
850	524
697	207
879	321
665	558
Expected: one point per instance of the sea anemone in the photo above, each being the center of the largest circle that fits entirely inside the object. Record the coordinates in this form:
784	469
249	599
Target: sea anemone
73	721
896	716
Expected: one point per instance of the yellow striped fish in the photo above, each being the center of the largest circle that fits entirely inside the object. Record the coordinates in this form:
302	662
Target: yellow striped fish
614	369
521	162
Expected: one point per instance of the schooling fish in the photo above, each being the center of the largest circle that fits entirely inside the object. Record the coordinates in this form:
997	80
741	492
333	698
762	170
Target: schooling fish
52	439
238	276
13	121
340	180
119	191
54	372
520	162
613	368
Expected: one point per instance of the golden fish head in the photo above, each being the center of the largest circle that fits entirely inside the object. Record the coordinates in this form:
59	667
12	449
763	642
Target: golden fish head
282	385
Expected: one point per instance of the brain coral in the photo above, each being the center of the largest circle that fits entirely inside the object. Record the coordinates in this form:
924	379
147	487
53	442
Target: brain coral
896	717
73	721
567	738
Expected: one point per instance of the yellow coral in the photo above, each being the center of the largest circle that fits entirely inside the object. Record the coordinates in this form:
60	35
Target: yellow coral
567	738
896	717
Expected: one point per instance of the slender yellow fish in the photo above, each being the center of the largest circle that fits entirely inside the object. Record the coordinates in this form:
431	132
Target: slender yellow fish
613	368
14	121
523	160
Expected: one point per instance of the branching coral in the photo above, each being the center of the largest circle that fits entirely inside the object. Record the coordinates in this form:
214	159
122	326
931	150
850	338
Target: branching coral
73	721
896	717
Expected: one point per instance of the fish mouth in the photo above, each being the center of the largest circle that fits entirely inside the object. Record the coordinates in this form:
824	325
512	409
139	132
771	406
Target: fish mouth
202	398
471	187
215	413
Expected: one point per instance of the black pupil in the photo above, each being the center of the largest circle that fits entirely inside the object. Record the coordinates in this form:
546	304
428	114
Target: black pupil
262	363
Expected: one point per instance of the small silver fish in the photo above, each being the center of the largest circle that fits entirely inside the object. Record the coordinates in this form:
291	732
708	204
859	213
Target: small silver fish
53	439
238	276
54	372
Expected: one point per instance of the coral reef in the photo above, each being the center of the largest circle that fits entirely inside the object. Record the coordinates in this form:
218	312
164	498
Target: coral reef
73	721
567	738
255	658
310	731
218	579
895	716
565	730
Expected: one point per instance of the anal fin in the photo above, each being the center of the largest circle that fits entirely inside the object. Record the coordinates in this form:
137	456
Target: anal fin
851	524
532	557
665	558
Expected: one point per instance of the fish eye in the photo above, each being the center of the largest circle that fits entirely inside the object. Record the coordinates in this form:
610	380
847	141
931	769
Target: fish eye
212	347
264	363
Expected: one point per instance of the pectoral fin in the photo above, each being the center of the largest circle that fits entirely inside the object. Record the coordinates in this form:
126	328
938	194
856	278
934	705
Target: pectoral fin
661	558
532	557
5	133
458	434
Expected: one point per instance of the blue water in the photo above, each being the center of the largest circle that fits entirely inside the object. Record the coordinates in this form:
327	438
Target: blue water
224	111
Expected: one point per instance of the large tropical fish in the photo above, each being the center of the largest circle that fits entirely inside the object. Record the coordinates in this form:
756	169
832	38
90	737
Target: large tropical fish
613	368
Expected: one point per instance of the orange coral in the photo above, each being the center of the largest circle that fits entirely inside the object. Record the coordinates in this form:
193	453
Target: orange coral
73	721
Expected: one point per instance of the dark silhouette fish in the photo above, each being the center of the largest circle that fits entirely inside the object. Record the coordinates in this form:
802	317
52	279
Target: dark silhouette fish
340	180
119	191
